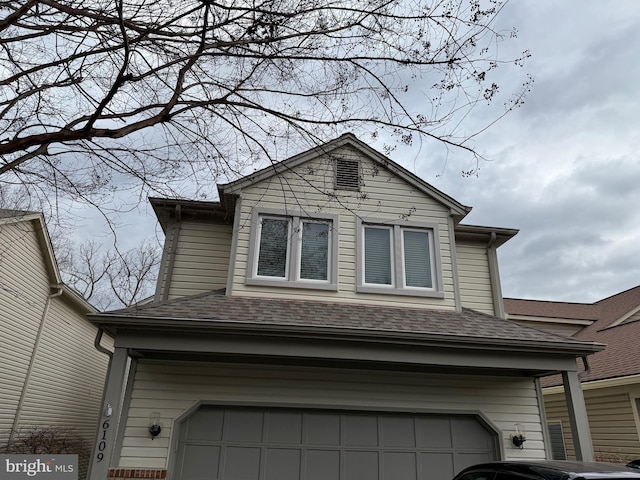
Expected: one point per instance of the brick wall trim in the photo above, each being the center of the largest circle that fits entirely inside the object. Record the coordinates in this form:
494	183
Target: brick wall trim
136	473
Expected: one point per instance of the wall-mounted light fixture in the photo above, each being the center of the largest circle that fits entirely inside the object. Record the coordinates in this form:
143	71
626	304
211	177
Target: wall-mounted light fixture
154	424
519	437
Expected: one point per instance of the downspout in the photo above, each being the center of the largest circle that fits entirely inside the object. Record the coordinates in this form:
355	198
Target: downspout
454	263
32	360
173	247
587	367
100	348
496	289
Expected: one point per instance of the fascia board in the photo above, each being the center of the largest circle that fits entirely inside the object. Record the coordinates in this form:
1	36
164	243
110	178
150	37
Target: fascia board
598	384
483	233
47	250
311	348
534	318
19	218
76	299
623	318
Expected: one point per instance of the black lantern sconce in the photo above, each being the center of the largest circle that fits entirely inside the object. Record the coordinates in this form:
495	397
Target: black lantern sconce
519	437
154	427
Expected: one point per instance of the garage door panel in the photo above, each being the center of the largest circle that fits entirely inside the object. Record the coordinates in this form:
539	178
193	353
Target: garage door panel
322	429
361	430
252	443
399	465
201	462
205	424
322	464
361	465
244	426
241	463
284	427
398	431
434	432
468	433
282	464
436	465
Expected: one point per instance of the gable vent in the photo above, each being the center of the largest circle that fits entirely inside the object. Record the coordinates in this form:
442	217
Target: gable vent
347	174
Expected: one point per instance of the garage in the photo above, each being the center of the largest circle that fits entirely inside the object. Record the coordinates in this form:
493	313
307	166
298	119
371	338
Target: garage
249	443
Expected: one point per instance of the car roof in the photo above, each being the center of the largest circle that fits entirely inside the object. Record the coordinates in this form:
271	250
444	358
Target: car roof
550	469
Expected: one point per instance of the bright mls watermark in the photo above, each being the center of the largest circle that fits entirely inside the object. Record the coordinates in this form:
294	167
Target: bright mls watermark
50	467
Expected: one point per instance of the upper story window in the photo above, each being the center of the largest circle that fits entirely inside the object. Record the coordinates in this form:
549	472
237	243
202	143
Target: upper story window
399	258
293	250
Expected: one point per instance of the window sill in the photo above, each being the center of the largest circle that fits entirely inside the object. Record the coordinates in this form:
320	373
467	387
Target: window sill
265	282
408	292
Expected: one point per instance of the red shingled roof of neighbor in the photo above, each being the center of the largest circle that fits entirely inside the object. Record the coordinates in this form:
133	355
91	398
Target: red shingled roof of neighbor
622	356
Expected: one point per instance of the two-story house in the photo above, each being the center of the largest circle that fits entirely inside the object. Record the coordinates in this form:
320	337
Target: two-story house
329	318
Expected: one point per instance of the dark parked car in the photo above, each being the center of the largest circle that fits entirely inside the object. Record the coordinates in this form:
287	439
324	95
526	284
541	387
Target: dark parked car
548	470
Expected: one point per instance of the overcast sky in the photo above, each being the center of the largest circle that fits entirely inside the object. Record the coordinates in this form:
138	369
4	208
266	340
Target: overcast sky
565	167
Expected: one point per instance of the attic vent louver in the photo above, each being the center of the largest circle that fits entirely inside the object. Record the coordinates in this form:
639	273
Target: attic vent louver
347	174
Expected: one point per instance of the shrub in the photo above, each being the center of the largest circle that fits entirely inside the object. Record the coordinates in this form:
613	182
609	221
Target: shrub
48	440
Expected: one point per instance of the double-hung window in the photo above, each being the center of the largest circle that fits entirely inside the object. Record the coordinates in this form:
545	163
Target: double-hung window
399	258
293	250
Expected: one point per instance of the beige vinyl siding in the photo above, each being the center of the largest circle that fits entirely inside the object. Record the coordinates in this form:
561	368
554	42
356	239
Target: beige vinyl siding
65	387
474	277
24	286
614	430
171	388
202	258
309	190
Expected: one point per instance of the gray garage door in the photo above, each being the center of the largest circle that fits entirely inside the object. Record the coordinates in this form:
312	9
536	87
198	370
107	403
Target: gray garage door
222	443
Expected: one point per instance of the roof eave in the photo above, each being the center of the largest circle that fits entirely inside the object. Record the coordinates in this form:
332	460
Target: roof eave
484	233
112	323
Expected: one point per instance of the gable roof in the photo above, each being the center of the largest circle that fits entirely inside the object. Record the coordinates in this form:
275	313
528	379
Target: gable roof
614	324
217	310
46	248
42	234
348	139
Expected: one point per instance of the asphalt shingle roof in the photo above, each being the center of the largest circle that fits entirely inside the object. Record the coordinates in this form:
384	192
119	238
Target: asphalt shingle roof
621	357
219	308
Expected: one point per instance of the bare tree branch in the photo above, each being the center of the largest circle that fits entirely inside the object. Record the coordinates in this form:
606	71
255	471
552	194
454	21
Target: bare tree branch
173	86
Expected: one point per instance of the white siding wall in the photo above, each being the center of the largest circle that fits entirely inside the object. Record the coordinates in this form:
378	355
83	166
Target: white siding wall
24	286
171	388
474	277
202	258
310	189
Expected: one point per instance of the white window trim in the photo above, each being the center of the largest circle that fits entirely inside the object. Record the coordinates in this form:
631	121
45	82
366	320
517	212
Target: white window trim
294	247
398	279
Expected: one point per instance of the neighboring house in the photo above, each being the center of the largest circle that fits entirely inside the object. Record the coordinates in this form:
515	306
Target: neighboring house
611	385
51	375
329	318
